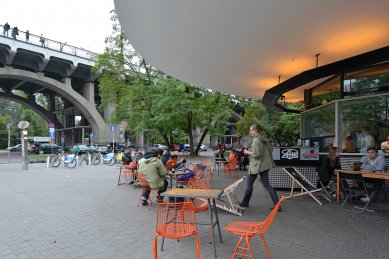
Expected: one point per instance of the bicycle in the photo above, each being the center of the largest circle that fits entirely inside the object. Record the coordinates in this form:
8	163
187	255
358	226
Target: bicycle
110	158
69	160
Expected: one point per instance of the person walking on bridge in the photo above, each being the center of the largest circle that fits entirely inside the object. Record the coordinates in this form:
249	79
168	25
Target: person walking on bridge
42	40
6	28
15	32
27	35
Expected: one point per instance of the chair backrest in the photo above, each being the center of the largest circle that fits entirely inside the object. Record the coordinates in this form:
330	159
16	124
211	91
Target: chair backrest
142	180
174	214
267	223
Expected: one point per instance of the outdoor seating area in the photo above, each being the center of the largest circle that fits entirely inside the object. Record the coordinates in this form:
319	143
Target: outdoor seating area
85	209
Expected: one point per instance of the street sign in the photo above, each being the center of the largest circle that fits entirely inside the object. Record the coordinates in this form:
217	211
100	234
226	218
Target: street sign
9	126
121	132
91	135
51	134
113	127
51	130
23	124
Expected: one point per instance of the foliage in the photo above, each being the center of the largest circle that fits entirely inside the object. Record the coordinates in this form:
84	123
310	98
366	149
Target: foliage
153	102
282	127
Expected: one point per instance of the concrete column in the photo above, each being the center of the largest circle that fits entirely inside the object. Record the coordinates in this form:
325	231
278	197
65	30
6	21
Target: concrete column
88	91
83	136
50	103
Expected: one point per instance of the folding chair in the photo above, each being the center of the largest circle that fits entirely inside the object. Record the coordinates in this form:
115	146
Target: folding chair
232	203
326	189
307	188
247	230
359	187
175	221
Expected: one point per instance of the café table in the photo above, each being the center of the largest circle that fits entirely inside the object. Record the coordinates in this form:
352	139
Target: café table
210	195
365	174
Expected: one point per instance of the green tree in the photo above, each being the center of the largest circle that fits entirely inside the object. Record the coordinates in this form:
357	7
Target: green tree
255	113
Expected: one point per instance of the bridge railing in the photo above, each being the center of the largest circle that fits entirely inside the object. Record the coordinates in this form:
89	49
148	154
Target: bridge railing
50	44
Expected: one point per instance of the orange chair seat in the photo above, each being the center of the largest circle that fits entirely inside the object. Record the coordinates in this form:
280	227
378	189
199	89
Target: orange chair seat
243	228
176	230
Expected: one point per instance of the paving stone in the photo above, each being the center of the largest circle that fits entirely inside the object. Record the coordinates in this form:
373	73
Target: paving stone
82	213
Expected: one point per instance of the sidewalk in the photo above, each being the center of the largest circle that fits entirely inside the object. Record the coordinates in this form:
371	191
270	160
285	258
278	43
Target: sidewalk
81	213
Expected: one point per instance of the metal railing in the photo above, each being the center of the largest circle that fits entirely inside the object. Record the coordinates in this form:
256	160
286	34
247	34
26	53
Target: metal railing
49	43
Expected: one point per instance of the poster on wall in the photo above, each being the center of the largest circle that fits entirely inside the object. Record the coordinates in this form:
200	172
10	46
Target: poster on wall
309	153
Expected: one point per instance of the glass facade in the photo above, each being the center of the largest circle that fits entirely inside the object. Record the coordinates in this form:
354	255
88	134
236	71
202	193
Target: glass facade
362	122
318	127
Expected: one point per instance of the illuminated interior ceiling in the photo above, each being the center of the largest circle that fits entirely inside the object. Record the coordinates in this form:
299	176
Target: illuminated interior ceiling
243	47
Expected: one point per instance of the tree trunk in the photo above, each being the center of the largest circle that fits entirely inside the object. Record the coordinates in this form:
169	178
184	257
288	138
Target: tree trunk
201	141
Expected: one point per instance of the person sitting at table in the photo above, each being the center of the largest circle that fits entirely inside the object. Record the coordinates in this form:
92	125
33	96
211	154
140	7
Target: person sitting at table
373	163
171	162
328	166
219	155
155	173
165	156
243	160
385	144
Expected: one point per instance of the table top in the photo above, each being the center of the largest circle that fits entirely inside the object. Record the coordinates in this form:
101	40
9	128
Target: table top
195	193
366	174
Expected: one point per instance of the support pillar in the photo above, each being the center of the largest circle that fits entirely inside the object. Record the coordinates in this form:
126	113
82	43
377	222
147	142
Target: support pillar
88	91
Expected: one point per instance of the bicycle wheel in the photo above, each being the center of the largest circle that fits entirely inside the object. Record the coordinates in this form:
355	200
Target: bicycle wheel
96	160
83	159
55	161
112	161
72	163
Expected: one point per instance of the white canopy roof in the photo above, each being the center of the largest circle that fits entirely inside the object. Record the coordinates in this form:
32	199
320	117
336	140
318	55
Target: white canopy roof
242	47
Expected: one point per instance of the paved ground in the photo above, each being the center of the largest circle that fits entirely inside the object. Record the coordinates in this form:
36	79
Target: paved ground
81	213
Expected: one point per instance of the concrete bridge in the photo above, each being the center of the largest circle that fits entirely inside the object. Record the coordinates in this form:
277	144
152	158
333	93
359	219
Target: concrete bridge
61	73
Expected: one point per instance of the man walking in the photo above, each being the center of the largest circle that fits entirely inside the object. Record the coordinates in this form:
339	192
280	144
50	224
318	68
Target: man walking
261	161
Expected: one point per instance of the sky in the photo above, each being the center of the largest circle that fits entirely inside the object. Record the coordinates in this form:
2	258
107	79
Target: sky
81	23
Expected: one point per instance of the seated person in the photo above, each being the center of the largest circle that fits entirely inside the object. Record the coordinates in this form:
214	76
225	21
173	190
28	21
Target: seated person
373	163
385	144
219	155
171	162
179	164
138	155
128	164
328	166
233	155
243	159
126	158
155	174
165	156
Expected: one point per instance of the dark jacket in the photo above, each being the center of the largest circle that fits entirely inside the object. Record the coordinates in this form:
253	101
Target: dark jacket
326	170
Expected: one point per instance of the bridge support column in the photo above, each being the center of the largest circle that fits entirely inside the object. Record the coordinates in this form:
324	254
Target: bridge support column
88	91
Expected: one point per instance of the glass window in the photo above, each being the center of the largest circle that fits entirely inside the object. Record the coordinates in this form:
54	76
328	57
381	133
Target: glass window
364	122
318	127
366	82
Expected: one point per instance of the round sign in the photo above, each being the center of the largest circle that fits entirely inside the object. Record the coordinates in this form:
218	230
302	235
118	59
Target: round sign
23	125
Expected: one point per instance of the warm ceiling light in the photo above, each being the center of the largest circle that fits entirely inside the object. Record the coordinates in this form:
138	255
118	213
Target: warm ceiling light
354	39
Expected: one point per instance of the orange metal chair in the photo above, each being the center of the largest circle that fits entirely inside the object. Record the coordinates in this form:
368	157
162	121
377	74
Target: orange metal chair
231	167
247	230
145	185
200	204
175	221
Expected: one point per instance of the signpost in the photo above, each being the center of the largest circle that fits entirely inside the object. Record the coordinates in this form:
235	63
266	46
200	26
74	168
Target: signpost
9	125
113	127
51	135
23	125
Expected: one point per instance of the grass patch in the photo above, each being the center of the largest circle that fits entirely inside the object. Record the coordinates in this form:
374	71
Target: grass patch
38	156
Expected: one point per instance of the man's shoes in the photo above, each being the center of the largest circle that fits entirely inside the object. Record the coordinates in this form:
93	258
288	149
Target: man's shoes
243	205
279	209
144	202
